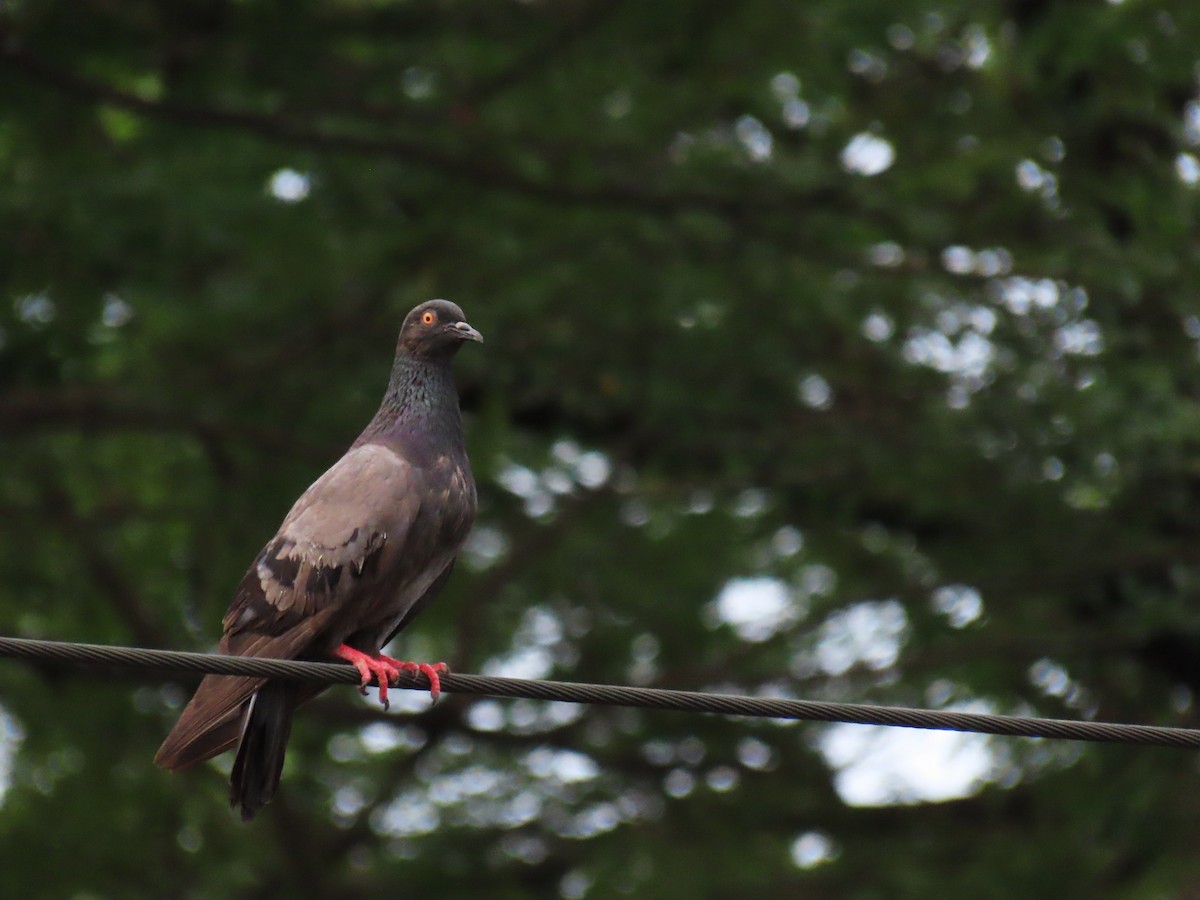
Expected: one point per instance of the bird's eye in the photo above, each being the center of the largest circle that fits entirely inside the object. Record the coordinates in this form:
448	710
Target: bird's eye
428	317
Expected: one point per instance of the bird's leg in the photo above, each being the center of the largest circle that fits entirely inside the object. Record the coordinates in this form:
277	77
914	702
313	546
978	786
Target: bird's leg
386	671
429	670
381	668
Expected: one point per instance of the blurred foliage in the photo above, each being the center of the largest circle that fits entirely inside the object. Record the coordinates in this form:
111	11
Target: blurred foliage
842	350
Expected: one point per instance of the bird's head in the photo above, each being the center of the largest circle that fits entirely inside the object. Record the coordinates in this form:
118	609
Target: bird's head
436	328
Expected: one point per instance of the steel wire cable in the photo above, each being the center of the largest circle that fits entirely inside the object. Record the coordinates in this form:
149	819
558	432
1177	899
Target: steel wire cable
607	695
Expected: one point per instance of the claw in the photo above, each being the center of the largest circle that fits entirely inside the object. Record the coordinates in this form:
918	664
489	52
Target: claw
386	671
378	668
429	670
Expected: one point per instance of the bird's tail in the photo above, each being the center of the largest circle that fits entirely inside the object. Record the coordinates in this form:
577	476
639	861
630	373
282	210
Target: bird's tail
265	729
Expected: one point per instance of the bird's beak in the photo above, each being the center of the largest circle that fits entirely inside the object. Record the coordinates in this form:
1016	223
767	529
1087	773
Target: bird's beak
465	332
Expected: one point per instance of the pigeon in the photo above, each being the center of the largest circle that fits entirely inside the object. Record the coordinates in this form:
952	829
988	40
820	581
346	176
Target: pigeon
361	553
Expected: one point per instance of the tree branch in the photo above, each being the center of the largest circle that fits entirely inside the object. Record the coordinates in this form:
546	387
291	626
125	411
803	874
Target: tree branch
95	409
478	171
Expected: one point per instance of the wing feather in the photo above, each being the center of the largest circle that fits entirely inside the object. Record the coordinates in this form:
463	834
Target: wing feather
303	586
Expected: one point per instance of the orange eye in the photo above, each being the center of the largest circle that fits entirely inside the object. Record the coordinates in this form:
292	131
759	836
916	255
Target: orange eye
428	317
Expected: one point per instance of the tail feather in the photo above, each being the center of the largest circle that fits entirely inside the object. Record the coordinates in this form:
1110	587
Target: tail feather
227	709
259	763
212	720
209	724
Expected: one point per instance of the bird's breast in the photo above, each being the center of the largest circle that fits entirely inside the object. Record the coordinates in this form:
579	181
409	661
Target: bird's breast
454	487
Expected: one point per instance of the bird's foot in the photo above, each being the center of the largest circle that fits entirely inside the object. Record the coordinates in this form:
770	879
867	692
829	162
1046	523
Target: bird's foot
429	670
377	668
385	671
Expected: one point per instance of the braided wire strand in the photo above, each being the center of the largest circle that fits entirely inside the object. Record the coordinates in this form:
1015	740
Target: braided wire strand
608	695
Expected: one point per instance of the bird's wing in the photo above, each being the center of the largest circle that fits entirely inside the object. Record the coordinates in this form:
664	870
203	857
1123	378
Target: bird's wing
323	562
328	548
423	601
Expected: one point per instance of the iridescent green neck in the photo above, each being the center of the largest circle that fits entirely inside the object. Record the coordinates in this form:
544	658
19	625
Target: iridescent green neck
420	401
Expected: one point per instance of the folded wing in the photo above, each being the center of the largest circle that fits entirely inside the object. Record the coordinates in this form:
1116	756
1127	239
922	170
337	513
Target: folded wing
320	578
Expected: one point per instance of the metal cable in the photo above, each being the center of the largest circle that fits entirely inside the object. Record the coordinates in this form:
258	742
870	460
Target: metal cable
608	695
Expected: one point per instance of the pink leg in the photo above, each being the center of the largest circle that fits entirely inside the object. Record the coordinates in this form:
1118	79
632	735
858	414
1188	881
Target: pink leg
386	671
429	670
370	667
